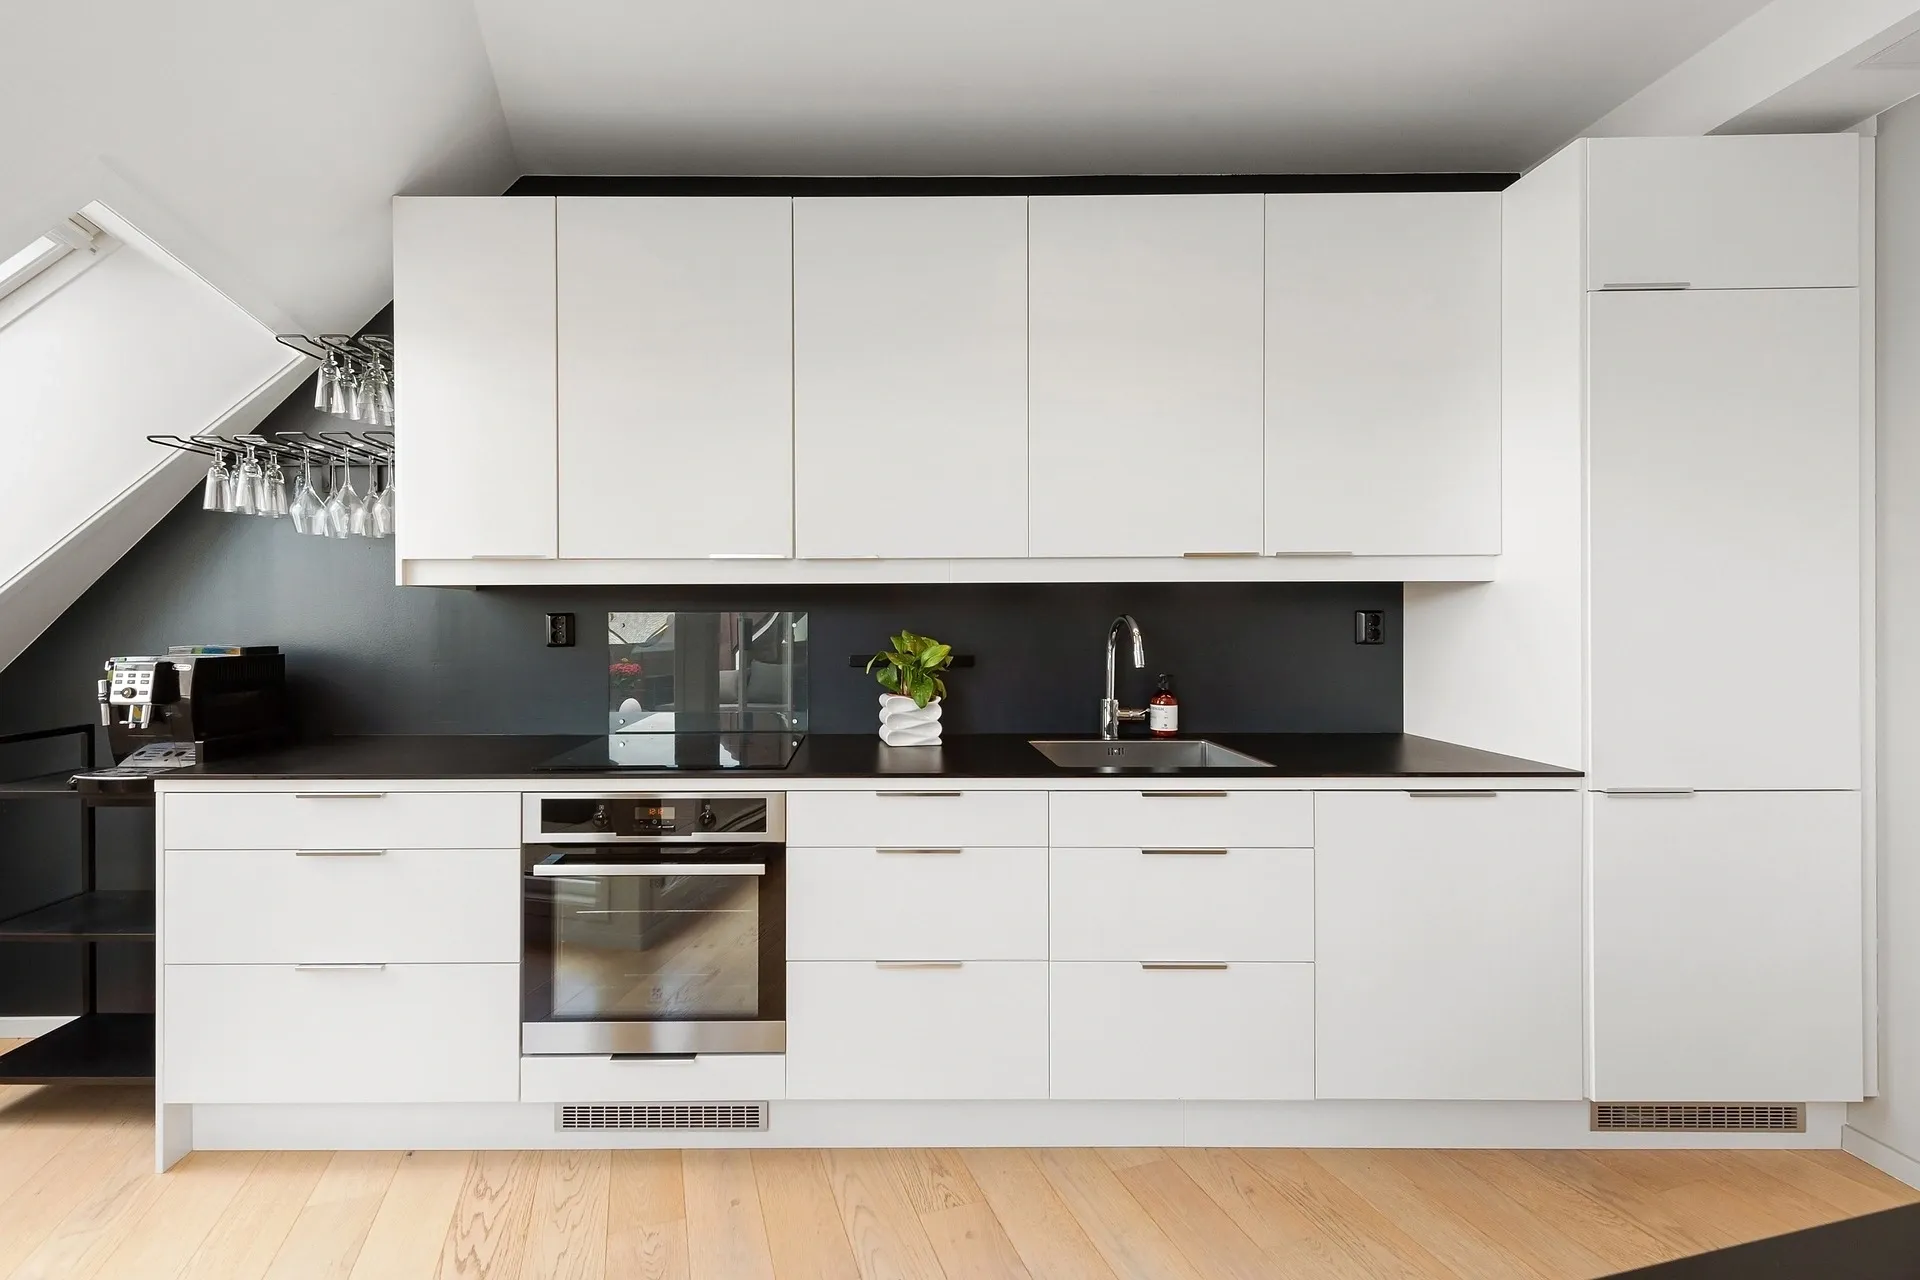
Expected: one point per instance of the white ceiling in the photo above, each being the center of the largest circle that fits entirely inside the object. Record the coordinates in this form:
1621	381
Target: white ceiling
1072	86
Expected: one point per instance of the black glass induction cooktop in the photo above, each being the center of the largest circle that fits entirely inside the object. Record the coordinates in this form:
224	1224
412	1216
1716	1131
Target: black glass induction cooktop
716	750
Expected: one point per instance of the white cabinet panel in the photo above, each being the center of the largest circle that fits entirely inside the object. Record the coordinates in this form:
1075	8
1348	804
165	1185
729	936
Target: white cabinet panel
1144	375
1449	956
474	346
705	1077
333	820
1731	212
975	1030
1181	904
675	375
1383	372
253	906
1727	947
1724	539
910	325
916	819
402	1033
1242	1032
889	904
1155	819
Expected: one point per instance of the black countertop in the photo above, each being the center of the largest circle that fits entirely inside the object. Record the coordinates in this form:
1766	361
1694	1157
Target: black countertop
850	755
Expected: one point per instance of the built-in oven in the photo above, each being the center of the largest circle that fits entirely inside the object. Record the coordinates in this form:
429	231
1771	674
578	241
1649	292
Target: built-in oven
654	924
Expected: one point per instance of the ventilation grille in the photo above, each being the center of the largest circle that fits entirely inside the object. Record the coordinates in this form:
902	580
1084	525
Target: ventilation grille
664	1115
1699	1117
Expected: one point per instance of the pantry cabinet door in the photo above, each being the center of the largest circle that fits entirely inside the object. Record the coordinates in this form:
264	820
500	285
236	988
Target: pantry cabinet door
1144	375
910	377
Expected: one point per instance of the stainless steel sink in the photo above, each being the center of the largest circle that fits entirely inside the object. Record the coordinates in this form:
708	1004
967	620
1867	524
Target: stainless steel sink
1147	753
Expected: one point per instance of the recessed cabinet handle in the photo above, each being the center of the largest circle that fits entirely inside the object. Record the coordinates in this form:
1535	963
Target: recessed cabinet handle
1282	555
1183	795
526	556
1185	853
921	795
1219	555
935	851
748	555
1646	286
917	964
1646	791
1452	795
1169	965
339	853
323	968
340	795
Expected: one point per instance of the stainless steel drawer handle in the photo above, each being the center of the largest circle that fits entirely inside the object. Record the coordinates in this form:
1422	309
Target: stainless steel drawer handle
919	795
1645	286
1183	795
513	555
1298	555
325	968
1646	791
1219	555
592	871
1453	795
748	555
339	853
942	852
1170	965
917	964
339	795
1185	853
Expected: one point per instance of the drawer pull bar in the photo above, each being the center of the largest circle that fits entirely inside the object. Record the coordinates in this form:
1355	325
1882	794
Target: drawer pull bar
340	795
1183	853
669	1059
1219	555
1646	791
920	795
339	853
917	964
1169	965
605	870
1644	286
1452	795
1183	795
323	968
938	851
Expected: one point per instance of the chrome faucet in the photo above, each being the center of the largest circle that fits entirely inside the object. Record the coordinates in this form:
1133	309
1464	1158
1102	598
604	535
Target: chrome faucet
1111	712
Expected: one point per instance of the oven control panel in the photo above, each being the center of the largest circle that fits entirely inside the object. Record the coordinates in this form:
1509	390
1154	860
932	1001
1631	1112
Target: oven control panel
593	819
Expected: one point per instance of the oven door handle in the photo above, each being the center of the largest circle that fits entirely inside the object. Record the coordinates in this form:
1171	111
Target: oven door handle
554	868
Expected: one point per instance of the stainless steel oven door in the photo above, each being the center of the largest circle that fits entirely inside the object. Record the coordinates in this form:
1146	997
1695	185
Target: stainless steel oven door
680	953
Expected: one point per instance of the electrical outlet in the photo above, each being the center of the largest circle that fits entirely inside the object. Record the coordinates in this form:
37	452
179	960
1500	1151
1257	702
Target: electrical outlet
1369	626
559	631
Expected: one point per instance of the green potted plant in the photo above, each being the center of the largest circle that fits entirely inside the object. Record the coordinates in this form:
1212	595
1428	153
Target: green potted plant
911	672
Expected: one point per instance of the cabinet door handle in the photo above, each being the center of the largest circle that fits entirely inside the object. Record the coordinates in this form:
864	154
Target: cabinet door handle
339	853
1171	965
339	795
917	964
1219	555
912	851
1287	555
1183	795
748	555
1453	795
1646	286
523	556
920	795
325	968
1646	791
1185	853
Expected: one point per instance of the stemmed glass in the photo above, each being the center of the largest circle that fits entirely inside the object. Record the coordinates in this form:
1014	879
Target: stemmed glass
214	494
243	486
272	500
308	511
383	511
342	503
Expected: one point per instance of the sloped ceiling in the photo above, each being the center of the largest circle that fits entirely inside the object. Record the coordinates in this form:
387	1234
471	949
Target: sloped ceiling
258	142
1072	86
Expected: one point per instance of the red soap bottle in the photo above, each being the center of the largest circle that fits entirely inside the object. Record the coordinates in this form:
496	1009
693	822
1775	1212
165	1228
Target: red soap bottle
1163	711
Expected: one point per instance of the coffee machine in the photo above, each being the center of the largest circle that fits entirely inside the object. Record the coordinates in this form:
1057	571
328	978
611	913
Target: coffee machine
196	703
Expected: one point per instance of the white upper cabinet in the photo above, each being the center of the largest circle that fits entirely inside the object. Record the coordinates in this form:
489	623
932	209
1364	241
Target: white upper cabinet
474	389
1383	373
1760	212
1144	375
1724	539
675	377
910	377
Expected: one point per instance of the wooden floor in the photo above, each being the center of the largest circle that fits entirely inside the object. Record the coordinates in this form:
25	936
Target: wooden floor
78	1198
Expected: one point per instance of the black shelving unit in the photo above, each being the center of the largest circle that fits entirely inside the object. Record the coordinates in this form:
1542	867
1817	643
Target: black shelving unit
95	1048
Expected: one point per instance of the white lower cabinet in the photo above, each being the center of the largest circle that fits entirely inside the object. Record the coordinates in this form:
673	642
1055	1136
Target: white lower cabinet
1727	949
888	904
1181	904
704	1077
362	1034
937	1030
1225	1032
1448	962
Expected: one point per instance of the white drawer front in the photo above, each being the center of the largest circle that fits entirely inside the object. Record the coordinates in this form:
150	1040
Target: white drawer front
707	1077
938	817
402	1033
1244	1032
1150	818
977	1030
891	904
400	906
1182	904
358	819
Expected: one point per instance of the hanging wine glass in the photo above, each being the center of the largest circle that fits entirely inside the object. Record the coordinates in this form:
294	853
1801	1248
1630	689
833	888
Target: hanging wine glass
214	495
272	499
341	504
243	486
309	513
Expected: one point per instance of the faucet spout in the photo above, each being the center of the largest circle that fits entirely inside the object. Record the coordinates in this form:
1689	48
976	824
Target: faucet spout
1111	712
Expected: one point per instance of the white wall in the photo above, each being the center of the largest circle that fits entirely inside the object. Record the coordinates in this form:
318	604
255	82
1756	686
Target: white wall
1893	1118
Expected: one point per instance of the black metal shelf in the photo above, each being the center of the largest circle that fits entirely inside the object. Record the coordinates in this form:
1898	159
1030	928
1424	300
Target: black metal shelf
46	784
95	1048
102	915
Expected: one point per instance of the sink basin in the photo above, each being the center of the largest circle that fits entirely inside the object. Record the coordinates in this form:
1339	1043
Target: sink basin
1145	753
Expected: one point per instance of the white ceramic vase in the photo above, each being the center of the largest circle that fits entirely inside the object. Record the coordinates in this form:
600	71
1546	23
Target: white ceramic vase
904	725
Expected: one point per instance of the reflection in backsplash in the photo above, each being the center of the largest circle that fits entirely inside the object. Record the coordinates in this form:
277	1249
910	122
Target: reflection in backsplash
706	672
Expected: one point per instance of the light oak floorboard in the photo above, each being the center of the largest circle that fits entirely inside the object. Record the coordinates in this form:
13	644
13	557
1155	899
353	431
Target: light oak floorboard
1130	1241
969	1241
1042	1228
159	1245
95	1227
935	1179
1380	1178
570	1217
647	1217
332	1225
1198	1227
415	1217
33	1210
726	1235
242	1243
1360	1231
888	1241
488	1236
1612	1237
804	1232
1257	1207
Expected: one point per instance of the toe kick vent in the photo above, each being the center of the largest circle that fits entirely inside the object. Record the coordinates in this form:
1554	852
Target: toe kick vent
664	1115
1699	1117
